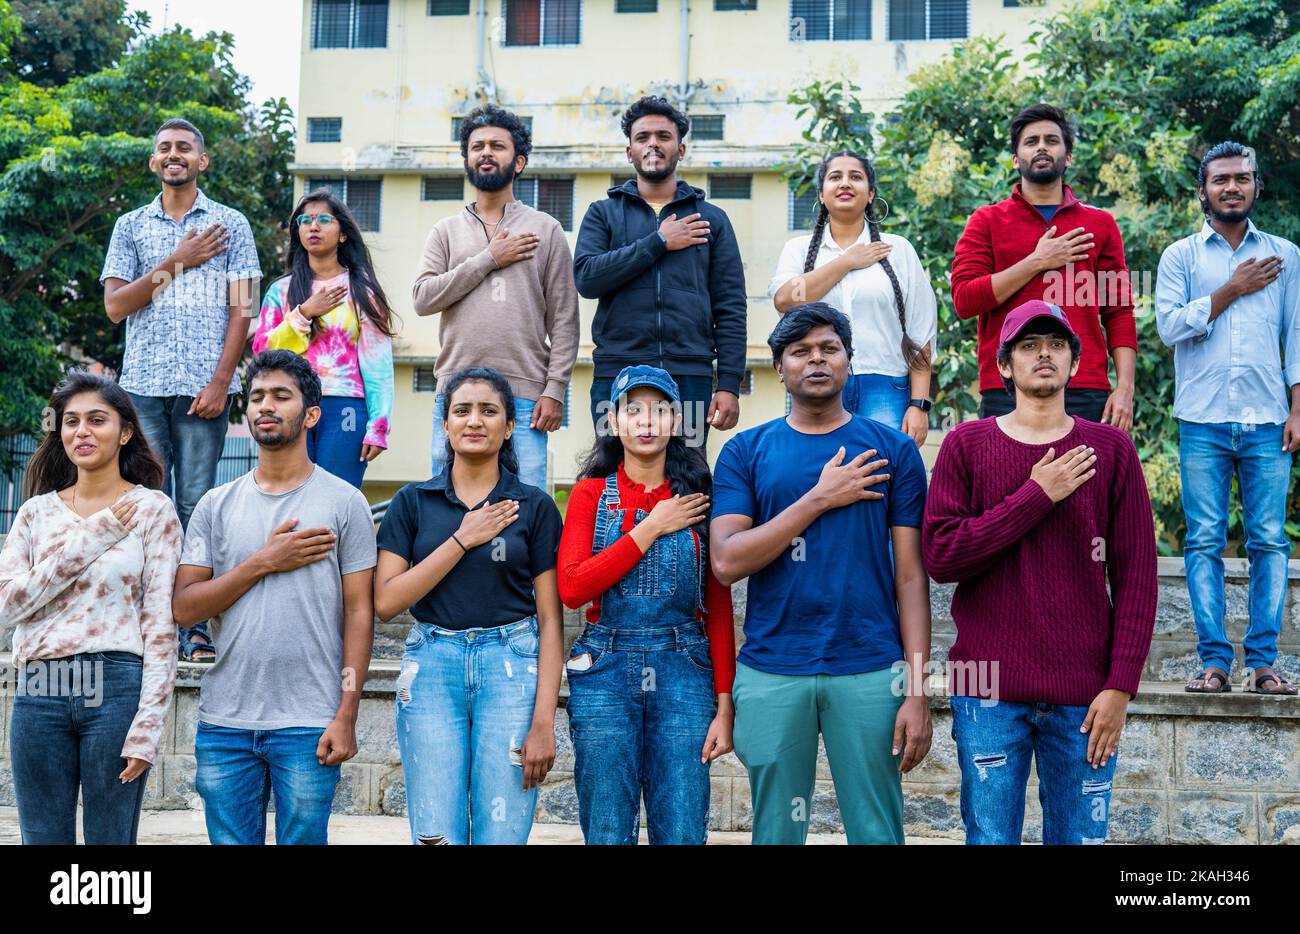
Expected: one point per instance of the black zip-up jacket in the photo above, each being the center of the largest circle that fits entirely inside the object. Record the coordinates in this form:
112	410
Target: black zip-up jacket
679	309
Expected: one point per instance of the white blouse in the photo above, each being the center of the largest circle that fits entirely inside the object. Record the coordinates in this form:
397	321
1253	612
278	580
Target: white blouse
867	298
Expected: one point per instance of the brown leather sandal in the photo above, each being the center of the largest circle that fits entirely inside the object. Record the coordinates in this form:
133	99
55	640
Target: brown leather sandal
1213	680
1257	678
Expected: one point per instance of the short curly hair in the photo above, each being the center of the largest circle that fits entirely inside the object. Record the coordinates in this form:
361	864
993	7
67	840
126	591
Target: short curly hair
651	104
491	115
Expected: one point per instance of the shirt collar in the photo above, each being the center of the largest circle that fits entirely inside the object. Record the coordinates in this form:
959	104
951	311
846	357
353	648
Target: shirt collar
828	242
508	485
201	203
1207	231
1067	197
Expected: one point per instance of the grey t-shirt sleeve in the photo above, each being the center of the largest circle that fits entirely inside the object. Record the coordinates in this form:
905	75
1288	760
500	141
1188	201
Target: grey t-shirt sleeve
197	550
356	536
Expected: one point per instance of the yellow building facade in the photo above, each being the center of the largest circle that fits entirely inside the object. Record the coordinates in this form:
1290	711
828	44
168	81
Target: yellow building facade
382	82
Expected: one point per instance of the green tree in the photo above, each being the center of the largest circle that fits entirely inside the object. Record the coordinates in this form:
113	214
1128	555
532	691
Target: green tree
1152	84
73	158
61	40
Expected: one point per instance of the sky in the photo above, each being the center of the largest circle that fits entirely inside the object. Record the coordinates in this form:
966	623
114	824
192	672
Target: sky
267	36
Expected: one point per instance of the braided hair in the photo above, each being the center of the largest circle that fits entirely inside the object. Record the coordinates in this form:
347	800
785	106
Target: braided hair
914	355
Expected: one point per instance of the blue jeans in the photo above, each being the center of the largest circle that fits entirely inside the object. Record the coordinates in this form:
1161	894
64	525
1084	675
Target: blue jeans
189	447
335	441
994	747
464	707
1209	453
879	397
530	444
638	717
239	769
696	392
70	718
639	712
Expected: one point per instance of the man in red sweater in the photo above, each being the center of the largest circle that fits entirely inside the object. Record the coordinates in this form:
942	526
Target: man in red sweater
1043	242
1043	521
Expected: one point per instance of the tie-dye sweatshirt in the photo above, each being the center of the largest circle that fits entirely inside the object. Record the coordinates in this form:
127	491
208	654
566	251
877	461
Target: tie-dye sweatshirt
352	357
71	585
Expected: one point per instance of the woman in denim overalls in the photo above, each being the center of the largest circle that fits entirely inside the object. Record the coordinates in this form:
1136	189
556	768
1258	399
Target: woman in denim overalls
642	681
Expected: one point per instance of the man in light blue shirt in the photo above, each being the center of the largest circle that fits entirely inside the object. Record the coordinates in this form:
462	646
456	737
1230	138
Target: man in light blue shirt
1228	302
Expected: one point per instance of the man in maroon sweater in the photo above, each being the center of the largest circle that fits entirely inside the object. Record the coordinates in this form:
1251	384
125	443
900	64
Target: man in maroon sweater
1043	242
1034	515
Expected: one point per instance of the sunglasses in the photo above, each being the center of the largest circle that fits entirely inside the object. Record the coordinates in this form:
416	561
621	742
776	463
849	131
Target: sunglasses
305	220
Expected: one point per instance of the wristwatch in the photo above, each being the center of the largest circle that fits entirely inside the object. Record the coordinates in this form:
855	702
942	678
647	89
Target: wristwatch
922	404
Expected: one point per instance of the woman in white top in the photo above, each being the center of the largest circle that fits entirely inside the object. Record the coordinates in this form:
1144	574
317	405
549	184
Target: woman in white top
878	282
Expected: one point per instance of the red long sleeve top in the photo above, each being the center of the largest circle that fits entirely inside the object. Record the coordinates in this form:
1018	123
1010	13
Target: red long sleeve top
1061	597
584	577
1094	293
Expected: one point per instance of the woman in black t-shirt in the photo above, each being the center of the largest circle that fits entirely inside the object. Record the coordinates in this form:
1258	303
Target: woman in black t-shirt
472	554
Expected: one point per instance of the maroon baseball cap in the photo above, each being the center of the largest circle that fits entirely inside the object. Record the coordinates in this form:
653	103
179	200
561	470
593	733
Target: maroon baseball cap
1020	317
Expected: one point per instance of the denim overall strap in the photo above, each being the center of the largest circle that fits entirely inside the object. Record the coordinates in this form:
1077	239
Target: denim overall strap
664	586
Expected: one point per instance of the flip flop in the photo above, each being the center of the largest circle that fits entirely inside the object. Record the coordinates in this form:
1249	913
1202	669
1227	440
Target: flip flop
1254	683
1213	680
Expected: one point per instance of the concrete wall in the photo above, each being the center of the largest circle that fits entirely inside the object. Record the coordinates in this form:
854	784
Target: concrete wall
1191	769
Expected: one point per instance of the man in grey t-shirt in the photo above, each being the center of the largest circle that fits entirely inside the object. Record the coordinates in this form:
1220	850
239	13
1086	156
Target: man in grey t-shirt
282	561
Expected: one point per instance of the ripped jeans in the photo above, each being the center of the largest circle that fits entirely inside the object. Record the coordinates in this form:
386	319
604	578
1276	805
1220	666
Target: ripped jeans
995	745
464	707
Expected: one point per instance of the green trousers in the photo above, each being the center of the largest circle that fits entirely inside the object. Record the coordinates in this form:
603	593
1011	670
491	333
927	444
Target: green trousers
778	718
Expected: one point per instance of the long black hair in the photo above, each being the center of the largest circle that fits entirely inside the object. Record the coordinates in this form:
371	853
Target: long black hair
914	355
685	467
353	255
50	469
507	459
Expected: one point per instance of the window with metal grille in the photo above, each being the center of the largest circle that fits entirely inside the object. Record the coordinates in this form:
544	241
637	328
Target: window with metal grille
726	6
424	380
324	129
553	196
361	195
448	7
730	186
636	6
568	405
457	121
929	19
830	19
542	22
803	206
747	383
949	19
349	24
707	126
442	188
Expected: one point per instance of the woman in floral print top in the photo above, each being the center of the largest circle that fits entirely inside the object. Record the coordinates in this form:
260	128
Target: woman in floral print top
332	310
86	577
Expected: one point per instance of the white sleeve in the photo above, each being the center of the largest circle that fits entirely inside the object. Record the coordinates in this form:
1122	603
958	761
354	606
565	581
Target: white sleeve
922	307
790	264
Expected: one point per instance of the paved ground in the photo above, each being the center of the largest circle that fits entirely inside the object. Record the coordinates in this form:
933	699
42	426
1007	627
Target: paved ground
186	827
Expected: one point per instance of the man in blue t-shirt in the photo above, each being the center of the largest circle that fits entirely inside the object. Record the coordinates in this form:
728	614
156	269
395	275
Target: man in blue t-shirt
837	630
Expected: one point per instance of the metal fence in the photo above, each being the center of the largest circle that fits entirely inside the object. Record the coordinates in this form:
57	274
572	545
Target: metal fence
238	457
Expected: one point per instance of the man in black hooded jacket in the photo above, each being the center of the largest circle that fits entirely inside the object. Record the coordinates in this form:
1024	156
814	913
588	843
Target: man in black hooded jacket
666	269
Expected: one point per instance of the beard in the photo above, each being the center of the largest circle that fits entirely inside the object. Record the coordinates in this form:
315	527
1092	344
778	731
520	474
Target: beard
490	181
177	181
283	434
1229	217
658	175
1044	175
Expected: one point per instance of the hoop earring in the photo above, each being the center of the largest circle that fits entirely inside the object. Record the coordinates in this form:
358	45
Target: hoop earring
878	200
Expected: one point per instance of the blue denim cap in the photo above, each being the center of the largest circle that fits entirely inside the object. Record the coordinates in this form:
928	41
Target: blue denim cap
633	376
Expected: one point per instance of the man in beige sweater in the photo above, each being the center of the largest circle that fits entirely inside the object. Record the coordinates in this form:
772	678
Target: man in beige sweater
501	275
